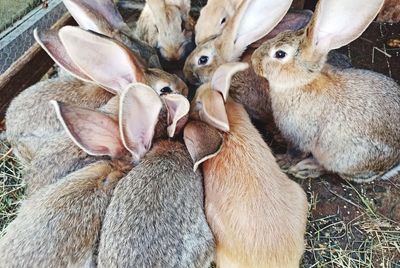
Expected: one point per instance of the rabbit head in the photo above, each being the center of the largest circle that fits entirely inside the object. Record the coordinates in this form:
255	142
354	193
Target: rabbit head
104	61
295	58
169	28
150	117
213	18
103	17
253	20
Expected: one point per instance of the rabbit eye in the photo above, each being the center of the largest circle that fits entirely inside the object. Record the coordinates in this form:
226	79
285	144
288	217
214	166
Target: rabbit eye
280	54
223	20
166	90
203	60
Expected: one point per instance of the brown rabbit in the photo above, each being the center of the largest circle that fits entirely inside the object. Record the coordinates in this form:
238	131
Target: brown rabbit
156	216
215	15
59	225
390	12
167	26
30	120
348	119
253	20
257	214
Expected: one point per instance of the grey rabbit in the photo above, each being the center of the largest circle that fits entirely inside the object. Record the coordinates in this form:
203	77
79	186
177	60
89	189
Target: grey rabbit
156	216
59	224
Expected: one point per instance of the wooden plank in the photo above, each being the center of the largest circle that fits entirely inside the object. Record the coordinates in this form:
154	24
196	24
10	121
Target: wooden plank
27	70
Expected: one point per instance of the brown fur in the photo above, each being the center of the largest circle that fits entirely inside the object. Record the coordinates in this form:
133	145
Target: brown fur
160	25
259	220
390	12
348	119
59	226
31	120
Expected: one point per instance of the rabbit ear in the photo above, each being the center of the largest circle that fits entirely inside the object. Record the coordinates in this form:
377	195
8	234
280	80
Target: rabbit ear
51	43
184	5
99	16
107	62
140	107
93	132
202	141
178	108
253	20
221	79
159	10
337	23
211	107
292	21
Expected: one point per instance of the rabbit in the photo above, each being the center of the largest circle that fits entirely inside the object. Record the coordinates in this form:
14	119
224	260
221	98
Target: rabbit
215	15
252	21
29	118
390	12
59	155
167	26
257	214
102	16
346	118
156	216
59	224
213	18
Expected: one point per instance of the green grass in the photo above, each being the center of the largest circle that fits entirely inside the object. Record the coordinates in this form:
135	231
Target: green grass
13	10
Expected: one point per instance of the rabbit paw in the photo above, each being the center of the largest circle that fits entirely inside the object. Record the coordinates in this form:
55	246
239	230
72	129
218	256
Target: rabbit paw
307	168
291	158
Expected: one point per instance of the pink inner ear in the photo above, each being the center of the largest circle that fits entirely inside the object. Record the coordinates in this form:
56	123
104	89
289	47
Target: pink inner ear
50	42
93	132
140	106
104	60
213	110
178	108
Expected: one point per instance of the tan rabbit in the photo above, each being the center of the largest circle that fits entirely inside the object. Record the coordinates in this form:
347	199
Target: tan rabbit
213	18
59	225
257	214
167	26
30	120
348	119
156	216
215	15
253	20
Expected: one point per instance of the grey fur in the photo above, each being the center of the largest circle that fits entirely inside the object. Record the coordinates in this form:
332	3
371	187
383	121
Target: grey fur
156	217
59	226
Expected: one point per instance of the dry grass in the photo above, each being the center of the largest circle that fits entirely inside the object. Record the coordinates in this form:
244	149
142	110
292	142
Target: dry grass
11	185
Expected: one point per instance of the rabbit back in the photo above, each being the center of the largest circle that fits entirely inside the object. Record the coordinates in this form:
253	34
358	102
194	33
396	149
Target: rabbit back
59	225
31	119
156	216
